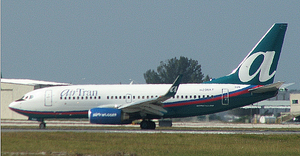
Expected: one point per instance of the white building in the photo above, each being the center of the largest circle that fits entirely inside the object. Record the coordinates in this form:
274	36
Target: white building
295	103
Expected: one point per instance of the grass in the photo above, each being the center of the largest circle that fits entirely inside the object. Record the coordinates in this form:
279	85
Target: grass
69	143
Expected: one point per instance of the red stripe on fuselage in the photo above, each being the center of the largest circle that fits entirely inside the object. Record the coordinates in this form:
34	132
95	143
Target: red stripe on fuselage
207	100
49	113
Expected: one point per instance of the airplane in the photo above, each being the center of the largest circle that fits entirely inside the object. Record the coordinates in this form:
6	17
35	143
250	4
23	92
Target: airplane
250	82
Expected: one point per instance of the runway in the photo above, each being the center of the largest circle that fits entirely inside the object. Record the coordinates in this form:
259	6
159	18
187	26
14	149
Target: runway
201	128
258	132
85	123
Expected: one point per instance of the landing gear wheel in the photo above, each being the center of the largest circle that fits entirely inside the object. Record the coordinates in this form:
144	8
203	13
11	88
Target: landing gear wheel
144	124
147	125
152	125
42	125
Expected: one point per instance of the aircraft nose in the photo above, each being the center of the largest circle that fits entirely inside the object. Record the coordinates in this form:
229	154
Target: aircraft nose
14	105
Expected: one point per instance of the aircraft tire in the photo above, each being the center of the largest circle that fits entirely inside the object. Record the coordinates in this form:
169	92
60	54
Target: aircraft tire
144	124
147	125
42	125
152	125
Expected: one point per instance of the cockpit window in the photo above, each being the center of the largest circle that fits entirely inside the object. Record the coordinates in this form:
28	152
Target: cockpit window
27	97
22	99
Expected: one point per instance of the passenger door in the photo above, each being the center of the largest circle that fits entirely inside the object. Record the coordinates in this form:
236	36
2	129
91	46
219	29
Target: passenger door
225	96
48	98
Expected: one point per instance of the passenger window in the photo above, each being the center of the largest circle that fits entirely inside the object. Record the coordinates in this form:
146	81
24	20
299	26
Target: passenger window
107	97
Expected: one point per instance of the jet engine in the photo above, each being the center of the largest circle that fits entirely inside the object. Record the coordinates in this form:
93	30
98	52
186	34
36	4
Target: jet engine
108	116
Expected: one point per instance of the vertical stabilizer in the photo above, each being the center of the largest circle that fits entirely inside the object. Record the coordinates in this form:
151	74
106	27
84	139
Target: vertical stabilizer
259	66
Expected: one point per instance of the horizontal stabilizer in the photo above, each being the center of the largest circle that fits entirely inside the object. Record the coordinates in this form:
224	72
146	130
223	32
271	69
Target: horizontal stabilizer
267	88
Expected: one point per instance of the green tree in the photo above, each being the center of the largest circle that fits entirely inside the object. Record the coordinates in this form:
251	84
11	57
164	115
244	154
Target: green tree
207	78
167	71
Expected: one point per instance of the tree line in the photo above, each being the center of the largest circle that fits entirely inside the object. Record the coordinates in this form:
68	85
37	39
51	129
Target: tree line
168	70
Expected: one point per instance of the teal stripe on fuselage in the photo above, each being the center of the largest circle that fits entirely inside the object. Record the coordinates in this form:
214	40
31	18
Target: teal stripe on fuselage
216	106
51	114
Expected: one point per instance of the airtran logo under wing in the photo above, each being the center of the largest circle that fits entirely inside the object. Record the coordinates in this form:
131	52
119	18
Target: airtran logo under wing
248	70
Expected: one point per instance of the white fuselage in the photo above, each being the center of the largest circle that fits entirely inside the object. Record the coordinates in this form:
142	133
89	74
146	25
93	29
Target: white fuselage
85	97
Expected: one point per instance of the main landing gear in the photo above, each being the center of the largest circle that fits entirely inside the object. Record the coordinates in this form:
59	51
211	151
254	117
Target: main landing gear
147	124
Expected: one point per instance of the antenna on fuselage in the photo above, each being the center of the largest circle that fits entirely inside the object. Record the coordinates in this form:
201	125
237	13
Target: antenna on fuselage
131	81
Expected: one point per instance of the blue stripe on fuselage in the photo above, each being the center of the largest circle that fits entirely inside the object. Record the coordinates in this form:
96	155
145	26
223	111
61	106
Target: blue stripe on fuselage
209	99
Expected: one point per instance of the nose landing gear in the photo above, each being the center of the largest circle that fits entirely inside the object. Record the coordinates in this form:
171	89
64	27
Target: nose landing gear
42	124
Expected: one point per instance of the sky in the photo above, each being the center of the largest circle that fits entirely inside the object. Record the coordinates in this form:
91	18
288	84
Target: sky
109	42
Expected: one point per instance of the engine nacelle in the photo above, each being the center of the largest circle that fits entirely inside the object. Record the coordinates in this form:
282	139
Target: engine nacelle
107	116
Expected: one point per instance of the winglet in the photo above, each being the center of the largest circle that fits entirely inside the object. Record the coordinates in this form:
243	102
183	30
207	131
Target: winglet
173	89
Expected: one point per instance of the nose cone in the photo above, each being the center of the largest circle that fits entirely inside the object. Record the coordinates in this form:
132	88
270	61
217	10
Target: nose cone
14	105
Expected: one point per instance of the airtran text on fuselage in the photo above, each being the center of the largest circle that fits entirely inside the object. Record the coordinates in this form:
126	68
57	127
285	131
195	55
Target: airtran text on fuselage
78	92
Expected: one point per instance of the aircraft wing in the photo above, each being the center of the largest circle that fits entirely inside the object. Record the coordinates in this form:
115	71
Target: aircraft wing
152	106
267	88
